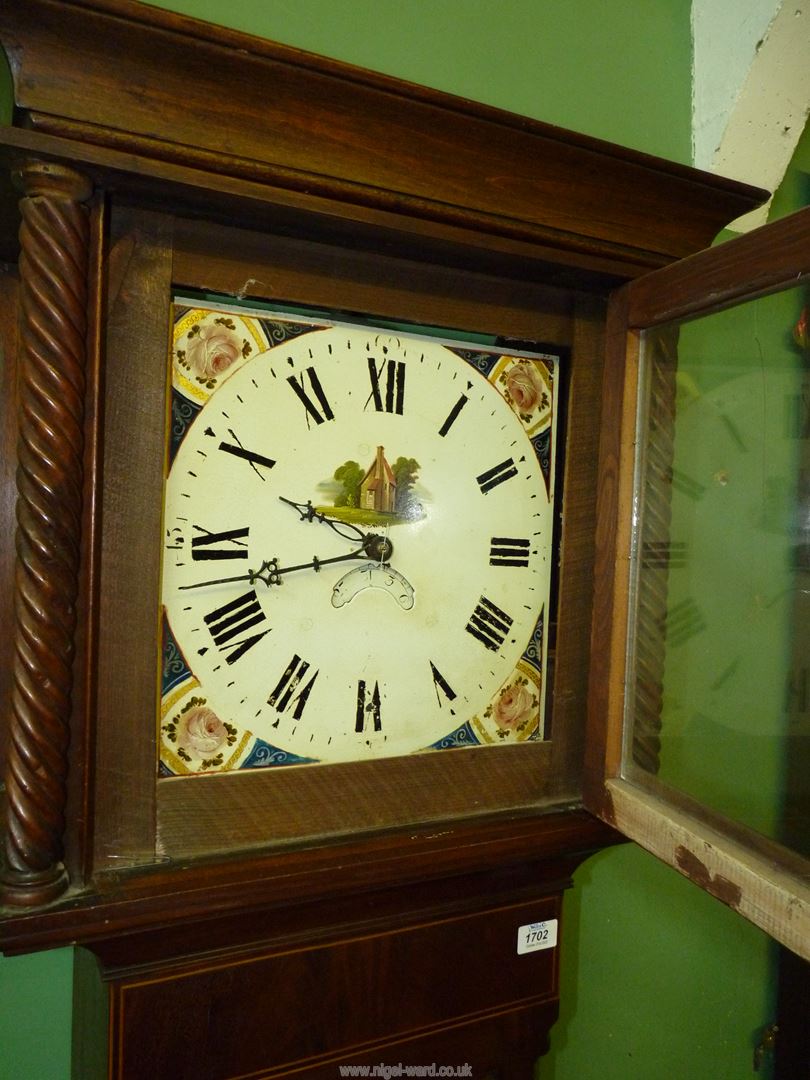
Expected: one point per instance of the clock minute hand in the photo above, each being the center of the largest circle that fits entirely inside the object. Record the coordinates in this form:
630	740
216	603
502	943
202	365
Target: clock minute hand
343	528
375	546
271	573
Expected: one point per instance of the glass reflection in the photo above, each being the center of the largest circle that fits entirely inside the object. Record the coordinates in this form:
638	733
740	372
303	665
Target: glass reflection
721	655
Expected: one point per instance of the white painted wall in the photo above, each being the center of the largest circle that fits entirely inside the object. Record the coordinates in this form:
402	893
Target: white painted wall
725	34
751	89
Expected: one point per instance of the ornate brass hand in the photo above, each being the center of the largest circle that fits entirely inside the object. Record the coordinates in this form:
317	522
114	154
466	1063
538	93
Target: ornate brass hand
375	546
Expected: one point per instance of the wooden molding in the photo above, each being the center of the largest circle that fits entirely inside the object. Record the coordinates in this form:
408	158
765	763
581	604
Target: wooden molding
53	291
240	107
209	893
755	885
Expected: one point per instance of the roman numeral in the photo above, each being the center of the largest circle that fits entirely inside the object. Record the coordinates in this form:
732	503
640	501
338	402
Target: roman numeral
452	416
255	459
367	706
441	685
287	690
202	547
692	489
394	385
508	551
797	691
683	621
664	554
726	674
232	619
496	475
306	400
797	415
489	624
733	431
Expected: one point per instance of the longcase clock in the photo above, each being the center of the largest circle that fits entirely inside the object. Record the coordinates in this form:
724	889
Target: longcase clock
307	468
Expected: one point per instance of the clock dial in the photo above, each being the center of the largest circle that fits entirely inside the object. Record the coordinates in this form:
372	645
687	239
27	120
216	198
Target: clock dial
357	543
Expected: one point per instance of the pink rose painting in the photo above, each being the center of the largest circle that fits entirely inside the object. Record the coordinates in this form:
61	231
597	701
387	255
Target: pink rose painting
211	349
514	707
199	734
524	389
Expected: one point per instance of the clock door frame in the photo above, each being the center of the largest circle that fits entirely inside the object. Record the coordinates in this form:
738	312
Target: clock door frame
763	880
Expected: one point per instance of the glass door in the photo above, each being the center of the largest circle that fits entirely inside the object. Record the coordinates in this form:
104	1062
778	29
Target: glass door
700	700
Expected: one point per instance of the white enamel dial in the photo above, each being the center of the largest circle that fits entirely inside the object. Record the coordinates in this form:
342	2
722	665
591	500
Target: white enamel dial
366	615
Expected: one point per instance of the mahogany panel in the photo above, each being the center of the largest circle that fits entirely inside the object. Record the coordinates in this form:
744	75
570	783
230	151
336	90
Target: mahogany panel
329	1001
497	246
504	1046
204	815
317	125
80	804
571	654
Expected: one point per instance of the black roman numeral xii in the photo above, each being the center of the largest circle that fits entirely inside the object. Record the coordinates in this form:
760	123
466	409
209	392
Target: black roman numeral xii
389	398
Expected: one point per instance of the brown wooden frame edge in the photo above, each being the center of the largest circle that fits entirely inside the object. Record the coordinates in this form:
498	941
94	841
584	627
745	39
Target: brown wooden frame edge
171	895
765	883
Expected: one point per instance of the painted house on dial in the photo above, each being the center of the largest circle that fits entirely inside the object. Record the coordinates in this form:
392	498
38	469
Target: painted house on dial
378	488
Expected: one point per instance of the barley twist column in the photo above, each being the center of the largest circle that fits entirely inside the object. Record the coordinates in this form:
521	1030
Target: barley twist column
54	238
656	552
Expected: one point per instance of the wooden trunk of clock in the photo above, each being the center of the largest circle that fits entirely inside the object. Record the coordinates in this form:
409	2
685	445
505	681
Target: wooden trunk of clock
289	920
392	976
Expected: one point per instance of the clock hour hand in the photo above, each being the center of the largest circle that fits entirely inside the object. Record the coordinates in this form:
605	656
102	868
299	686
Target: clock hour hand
271	573
375	546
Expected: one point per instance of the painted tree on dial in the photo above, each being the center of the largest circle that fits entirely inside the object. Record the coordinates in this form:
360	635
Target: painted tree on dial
349	475
406	473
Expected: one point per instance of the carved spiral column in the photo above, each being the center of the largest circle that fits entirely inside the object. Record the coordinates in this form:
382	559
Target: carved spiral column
657	552
54	238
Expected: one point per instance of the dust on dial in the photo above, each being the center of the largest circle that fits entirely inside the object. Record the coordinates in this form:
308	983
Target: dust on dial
357	548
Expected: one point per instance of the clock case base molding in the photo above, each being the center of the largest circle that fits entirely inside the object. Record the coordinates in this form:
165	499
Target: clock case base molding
426	971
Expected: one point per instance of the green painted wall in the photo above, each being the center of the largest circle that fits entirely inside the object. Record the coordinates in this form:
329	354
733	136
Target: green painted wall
36	1012
613	69
658	980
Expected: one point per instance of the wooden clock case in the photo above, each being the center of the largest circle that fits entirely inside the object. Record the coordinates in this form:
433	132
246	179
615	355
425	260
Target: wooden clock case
371	915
